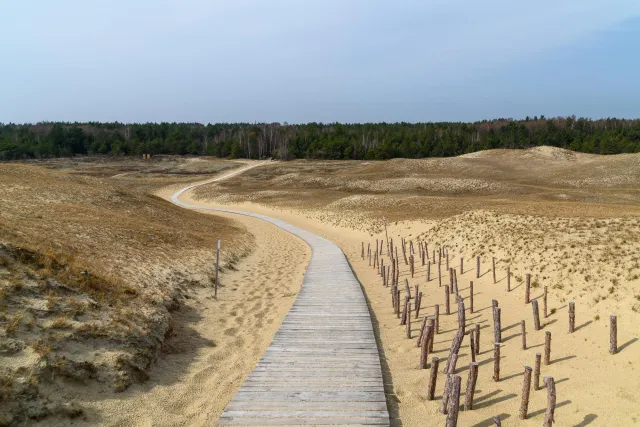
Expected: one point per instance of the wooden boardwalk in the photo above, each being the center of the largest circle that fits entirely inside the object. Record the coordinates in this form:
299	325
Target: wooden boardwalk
322	367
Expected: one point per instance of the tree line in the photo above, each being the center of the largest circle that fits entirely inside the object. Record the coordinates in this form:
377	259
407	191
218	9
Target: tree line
317	140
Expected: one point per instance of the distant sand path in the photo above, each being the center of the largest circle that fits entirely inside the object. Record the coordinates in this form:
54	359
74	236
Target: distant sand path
323	367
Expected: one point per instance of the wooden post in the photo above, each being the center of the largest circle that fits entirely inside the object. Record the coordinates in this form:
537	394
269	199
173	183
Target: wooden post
422	328
411	259
455	281
215	289
433	377
362	250
471	297
451	280
526	388
494	305
496	361
461	265
613	334
455	348
369	253
508	278
447	305
478	267
439	275
527	289
544	303
493	267
536	372
461	316
405	310
472	346
524	334
428	271
451	363
418	304
454	402
408	318
445	395
551	401
424	349
547	348
477	337
572	317
431	332
437	318
497	328
536	314
446	254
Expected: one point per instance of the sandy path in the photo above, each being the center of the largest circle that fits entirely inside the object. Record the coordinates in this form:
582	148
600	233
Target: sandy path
215	343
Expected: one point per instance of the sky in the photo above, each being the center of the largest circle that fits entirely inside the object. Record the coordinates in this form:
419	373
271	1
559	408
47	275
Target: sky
299	61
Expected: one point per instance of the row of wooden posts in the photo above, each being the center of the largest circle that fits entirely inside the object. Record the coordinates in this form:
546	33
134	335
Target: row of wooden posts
390	275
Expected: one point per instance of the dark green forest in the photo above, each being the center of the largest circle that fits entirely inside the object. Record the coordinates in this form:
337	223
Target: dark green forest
316	140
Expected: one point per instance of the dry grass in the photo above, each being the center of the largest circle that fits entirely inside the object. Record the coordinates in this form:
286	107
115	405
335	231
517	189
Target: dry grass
543	181
87	264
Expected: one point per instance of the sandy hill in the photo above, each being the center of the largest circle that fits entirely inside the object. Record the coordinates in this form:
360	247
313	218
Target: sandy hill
89	272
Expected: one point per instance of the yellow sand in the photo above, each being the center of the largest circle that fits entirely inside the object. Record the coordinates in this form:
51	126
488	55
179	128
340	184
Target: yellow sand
216	343
593	387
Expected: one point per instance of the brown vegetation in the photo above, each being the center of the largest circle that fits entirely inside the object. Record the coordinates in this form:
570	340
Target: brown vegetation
89	272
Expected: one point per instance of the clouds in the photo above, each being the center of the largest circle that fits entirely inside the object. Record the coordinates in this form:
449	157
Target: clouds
285	60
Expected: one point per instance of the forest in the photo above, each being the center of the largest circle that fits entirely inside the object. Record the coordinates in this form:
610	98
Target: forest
316	140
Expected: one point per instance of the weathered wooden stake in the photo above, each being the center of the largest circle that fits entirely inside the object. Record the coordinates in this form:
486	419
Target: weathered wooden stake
437	318
471	297
455	348
508	278
215	289
461	316
477	337
461	265
445	394
433	377
428	271
572	317
524	334
536	314
447	304
405	310
544	303
412	265
439	275
408	318
527	289
472	345
446	254
613	334
454	402
422	329
431	332
547	348
362	250
496	361
451	363
424	348
536	372
526	388
551	401
418	304
497	327
478	267
493	268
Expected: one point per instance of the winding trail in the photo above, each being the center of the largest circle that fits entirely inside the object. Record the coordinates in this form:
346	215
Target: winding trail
322	367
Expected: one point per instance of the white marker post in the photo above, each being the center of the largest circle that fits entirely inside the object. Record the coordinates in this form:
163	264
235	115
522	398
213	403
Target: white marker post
215	291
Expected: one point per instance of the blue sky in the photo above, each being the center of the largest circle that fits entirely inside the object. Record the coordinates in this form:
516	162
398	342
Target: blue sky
312	60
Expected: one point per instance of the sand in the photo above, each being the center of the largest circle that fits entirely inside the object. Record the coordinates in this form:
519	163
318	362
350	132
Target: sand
216	342
593	387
